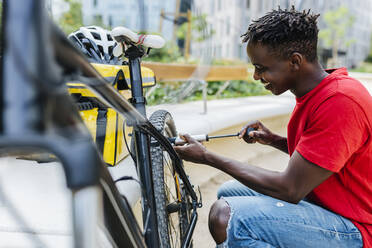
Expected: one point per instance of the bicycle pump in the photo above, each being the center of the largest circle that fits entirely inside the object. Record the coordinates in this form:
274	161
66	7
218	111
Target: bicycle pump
206	137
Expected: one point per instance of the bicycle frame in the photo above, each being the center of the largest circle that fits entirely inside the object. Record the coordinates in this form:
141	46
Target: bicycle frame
52	123
142	143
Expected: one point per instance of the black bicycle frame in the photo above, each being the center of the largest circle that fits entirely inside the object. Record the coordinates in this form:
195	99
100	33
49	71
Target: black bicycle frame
142	145
36	112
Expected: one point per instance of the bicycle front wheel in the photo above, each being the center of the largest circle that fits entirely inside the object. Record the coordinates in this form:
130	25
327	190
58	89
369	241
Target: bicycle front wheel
172	204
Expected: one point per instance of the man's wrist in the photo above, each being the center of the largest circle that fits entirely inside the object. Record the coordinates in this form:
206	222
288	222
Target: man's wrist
277	139
206	157
279	142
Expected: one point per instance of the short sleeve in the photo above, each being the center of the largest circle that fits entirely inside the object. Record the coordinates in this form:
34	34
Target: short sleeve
335	131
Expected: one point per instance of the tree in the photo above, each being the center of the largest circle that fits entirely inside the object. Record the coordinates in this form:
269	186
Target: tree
199	25
73	18
337	21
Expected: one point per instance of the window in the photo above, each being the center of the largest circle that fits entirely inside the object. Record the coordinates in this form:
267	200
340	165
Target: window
219	5
110	21
212	6
95	3
260	6
248	4
287	4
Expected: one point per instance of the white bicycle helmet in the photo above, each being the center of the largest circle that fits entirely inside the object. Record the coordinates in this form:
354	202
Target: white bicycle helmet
96	43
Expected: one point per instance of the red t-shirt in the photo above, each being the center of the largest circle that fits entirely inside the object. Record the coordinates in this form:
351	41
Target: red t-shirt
331	127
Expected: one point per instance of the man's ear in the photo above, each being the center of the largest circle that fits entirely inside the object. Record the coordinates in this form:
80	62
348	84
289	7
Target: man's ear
296	61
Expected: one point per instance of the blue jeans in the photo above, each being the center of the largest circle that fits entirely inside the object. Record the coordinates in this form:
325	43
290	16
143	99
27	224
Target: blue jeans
257	220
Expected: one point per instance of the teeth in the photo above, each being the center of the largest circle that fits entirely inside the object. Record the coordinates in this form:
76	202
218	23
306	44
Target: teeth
266	84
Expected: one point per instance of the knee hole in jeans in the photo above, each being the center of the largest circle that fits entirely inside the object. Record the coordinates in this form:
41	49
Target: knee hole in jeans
219	216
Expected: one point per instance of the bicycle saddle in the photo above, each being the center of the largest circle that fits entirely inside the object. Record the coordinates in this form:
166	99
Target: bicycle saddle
128	37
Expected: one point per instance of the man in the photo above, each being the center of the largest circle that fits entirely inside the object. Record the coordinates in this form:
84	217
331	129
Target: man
324	197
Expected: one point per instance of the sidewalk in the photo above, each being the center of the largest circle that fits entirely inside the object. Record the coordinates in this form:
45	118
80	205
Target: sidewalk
225	112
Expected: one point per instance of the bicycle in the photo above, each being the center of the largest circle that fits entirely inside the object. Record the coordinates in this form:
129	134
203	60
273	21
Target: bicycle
52	123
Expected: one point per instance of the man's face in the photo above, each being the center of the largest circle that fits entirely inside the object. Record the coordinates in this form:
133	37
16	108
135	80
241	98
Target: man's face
272	71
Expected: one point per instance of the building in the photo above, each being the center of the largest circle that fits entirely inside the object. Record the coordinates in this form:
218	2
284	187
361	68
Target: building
230	18
225	21
112	13
359	34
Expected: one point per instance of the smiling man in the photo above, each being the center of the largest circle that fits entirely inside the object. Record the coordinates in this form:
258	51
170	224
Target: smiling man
324	197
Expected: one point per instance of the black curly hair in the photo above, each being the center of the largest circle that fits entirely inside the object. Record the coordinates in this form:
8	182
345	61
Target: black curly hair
286	31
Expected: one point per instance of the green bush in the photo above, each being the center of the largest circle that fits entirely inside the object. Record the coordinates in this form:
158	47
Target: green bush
164	93
167	54
369	59
364	67
169	92
236	88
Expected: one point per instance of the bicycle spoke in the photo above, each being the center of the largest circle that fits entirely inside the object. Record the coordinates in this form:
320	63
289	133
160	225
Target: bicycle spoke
174	230
171	236
166	185
173	218
170	167
169	190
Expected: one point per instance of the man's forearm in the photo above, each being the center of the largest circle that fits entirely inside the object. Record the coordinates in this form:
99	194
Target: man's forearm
280	143
261	180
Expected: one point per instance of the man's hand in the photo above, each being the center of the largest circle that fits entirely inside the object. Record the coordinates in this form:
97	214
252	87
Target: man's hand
261	134
193	151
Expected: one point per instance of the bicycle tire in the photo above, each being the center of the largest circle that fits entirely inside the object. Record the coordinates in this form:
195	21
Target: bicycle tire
170	235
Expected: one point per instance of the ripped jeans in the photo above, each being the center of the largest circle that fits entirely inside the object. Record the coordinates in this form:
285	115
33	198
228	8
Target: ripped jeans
261	221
